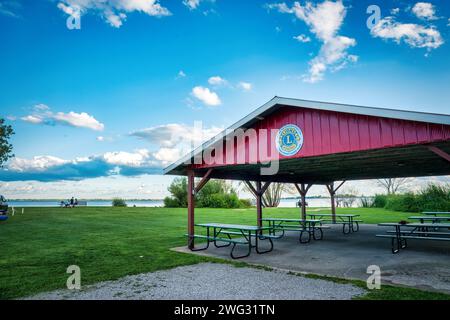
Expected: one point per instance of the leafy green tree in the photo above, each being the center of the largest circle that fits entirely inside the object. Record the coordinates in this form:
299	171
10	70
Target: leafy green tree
6	131
118	202
215	194
178	190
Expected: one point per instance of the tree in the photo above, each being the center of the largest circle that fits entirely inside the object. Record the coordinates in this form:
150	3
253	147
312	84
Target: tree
346	197
271	198
214	194
178	190
6	131
393	185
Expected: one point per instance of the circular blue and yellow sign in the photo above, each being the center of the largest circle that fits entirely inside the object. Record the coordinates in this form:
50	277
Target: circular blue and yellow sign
289	140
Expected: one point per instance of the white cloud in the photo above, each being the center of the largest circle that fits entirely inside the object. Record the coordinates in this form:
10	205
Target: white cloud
424	10
32	119
42	114
245	86
100	138
176	135
114	12
181	74
51	168
37	163
395	11
416	36
324	20
448	22
133	159
191	4
206	96
67	9
217	81
168	155
281	7
302	38
82	120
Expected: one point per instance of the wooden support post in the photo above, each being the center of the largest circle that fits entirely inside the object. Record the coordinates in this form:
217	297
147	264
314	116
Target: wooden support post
303	189
332	192
333	203
258	193
258	203
191	205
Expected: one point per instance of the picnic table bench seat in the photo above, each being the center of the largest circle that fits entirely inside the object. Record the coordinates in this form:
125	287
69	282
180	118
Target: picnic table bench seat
237	233
416	231
211	238
413	237
304	226
221	230
348	221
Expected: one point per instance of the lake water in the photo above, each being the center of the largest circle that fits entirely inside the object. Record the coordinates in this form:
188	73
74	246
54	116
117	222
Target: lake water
93	203
285	203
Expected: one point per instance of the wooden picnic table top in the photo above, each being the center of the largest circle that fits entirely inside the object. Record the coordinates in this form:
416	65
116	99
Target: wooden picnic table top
329	215
290	220
232	226
428	218
415	225
434	213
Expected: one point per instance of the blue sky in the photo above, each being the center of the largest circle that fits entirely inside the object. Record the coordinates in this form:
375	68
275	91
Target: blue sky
100	110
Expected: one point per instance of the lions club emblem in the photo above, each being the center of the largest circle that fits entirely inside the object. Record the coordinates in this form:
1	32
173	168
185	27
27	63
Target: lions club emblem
289	140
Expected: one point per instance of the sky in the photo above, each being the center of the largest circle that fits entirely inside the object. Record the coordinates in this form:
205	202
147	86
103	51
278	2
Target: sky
104	94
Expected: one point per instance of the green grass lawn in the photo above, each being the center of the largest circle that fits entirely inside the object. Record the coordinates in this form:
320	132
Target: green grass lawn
109	243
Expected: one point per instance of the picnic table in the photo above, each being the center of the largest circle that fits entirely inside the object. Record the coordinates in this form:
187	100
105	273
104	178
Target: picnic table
433	219
347	220
308	226
418	231
218	232
436	213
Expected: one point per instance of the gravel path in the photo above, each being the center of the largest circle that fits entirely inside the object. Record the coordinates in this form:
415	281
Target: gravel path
210	281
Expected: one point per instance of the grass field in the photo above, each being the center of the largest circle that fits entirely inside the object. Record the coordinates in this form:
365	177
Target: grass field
109	243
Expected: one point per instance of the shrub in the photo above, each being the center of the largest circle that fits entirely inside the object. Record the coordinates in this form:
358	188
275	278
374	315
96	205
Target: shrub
245	203
219	200
379	201
434	198
431	198
407	202
215	200
215	194
178	190
118	202
171	202
366	202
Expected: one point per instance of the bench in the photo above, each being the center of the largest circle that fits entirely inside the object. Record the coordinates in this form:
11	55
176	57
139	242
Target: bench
222	233
240	234
351	224
421	232
412	237
399	237
210	238
311	231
